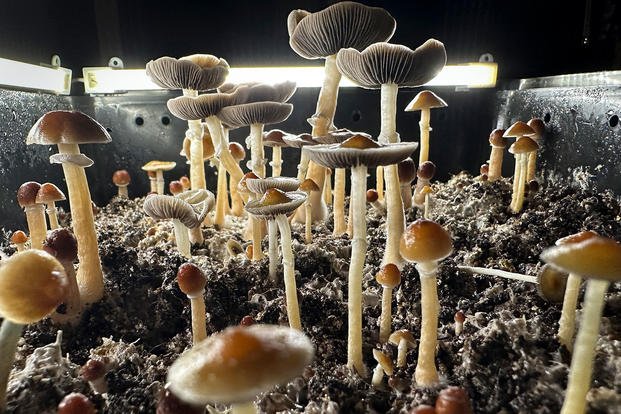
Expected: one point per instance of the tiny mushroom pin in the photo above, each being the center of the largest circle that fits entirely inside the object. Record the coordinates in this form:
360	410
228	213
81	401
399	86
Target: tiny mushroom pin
308	186
453	400
498	143
175	187
388	277
49	194
403	340
373	199
191	280
19	239
424	102
94	372
185	182
35	212
459	319
76	403
121	179
384	366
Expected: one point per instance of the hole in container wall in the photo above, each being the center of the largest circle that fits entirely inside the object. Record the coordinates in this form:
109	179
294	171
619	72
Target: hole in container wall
356	115
139	121
547	117
613	121
109	130
165	120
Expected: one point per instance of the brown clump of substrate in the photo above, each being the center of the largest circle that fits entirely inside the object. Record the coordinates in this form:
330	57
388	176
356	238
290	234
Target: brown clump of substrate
507	356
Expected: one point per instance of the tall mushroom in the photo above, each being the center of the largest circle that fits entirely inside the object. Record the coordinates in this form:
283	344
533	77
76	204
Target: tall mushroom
498	143
358	153
521	149
321	35
69	129
388	277
425	101
49	194
35	212
191	281
158	168
388	67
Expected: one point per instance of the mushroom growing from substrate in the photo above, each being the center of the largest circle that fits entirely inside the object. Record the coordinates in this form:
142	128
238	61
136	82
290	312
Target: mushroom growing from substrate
49	194
373	199
19	239
388	277
68	129
598	259
424	102
237	204
121	179
237	364
309	187
274	140
520	148
158	168
32	285
321	35
191	281
498	143
358	153
424	174
425	242
539	127
76	403
384	366
35	212
274	206
387	67
94	372
403	339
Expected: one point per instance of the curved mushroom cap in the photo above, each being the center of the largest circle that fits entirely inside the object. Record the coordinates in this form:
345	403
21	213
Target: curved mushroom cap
497	138
406	170
27	193
402	335
191	279
309	185
261	185
274	138
121	178
551	284
175	187
67	127
185	182
338	135
384	63
299	141
19	237
198	72
199	197
161	207
359	150
48	193
518	129
425	100
539	127
576	237
596	257
32	285
263	92
255	113
62	244
389	276
275	202
425	241
240	362
384	361
203	106
237	151
372	195
345	24
159	165
80	160
523	145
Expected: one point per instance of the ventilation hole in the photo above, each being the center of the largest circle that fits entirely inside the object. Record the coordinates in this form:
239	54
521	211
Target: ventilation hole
165	120
109	130
547	117
139	121
356	116
613	121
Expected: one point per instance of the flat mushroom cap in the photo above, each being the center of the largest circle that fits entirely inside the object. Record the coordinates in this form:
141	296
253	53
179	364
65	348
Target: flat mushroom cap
338	135
596	257
67	127
161	207
551	284
523	145
274	138
197	72
386	63
237	364
289	203
425	241
203	106
518	129
345	24
261	185
159	165
255	113
299	141
48	193
425	100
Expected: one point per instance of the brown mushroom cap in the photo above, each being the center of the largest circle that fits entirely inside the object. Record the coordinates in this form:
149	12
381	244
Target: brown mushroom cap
237	151
338	135
19	237
185	182
255	113
402	335
523	145
67	127
386	63
32	285
48	193
539	127
308	186
191	279
406	170
62	244
274	138
197	72
459	317
275	202
93	370
425	100
389	276
425	241
576	237
426	170
175	187
497	138
453	400
384	361
261	185
299	141
596	257
121	178
27	193
372	195
518	129
345	24
238	363
551	284
76	403
345	155
159	165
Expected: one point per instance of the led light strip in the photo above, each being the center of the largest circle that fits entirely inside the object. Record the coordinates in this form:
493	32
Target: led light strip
21	75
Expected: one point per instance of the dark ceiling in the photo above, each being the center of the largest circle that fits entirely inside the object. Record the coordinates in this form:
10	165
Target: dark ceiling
528	38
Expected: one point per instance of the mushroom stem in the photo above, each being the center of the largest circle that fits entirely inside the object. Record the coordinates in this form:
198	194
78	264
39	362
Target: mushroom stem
196	235
419	198
291	293
379	182
406	195
425	116
272	250
152	183
90	275
122	193
243	408
426	373
10	333
303	166
567	322
199	322
499	273
72	298
197	164
221	198
52	212
257	155
386	316
356	268
37	226
181	238
378	376
237	204
276	161
427	211
519	198
308	236
159	181
532	166
402	351
327	188
340	225
495	163
257	251
580	372
224	155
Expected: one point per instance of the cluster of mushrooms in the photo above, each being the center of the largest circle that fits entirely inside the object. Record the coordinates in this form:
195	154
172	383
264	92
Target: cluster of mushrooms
352	39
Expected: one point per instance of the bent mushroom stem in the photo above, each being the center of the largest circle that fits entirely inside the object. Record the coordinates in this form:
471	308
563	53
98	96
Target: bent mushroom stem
500	273
199	320
291	293
567	322
221	198
181	238
379	182
272	251
425	116
52	211
243	408
257	155
339	202
276	161
426	373
90	274
35	216
224	155
10	333
579	380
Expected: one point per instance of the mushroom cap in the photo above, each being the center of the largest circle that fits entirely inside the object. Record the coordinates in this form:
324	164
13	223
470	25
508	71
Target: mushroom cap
384	361
523	145
264	92
426	170
261	185
121	178
32	285
338	135
425	100
27	193
539	127
266	209
48	193
175	187
67	127
199	107
299	141
551	284
255	113
425	241
341	25
387	63
406	170
497	138
93	369
309	185
459	317
389	276
161	207
185	182
343	156
76	403
159	166
197	72
518	129
576	237
238	363
191	279
426	190
19	236
62	244
242	186
237	151
596	257
372	195
402	335
80	160
453	400
274	138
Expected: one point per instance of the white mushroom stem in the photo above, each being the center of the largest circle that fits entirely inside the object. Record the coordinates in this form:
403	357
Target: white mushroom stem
427	211
199	320
499	273
419	198
122	193
308	235
10	333
378	376
426	373
181	238
386	315
327	188
257	155
90	276
257	251
224	155
243	408
237	204
221	198
276	163
72	299
532	166
425	116
303	165
519	198
37	226
52	213
406	195
197	163
152	184
581	370
356	268
291	292
272	250
350	220
159	181
567	322
402	351
196	234
495	163
340	225
379	182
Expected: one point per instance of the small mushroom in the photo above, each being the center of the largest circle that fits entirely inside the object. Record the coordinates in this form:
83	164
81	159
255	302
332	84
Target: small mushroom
453	400
175	187
191	280
424	101
424	174
19	239
35	212
540	129
49	194
407	173
94	372
121	179
373	199
158	167
388	277
237	204
498	143
384	366
185	182
403	340
520	148
459	319
76	403
308	186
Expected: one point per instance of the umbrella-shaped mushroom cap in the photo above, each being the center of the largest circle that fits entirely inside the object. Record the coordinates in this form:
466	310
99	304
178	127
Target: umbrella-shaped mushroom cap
261	185
424	241
161	207
159	165
235	365
202	106
275	202
67	127
255	113
519	129
523	145
48	193
425	100
274	138
80	159
345	24
264	92
386	63
27	193
197	72
338	135
299	141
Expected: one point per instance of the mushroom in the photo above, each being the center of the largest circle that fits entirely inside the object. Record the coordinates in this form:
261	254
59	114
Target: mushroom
158	167
404	340
598	259
426	192
62	244
175	187
274	206
358	153
237	364
424	174
387	67
196	198
425	242
498	143
389	277
274	140
35	212
459	319
308	186
424	101
152	182
453	400
94	372
25	300
237	204
321	35
384	366
191	280
407	171
373	199
521	149
257	232
19	239
76	403
121	179
49	194
299	141
540	129
185	182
